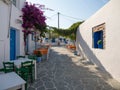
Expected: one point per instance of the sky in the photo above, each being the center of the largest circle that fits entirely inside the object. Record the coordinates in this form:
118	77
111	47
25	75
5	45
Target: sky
71	11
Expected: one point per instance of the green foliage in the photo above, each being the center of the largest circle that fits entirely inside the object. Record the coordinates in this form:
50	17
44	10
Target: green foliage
42	30
70	32
99	42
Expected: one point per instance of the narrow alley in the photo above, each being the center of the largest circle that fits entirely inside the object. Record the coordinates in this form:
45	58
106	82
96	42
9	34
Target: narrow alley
65	71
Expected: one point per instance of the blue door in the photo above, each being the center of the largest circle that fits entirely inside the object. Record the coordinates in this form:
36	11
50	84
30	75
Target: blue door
12	44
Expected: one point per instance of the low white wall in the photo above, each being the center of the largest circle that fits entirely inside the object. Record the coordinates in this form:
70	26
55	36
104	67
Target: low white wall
108	58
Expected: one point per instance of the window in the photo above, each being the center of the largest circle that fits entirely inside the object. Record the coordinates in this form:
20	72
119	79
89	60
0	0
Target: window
98	39
98	33
14	2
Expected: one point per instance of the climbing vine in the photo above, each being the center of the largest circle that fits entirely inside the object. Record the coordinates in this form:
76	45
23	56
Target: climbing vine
70	32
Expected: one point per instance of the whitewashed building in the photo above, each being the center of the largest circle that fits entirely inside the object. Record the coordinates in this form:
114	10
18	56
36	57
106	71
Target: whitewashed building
11	35
98	38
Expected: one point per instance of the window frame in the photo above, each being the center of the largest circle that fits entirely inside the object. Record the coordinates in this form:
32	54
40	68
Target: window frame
100	27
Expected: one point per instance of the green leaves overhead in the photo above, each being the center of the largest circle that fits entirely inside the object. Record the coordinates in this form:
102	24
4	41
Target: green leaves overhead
70	32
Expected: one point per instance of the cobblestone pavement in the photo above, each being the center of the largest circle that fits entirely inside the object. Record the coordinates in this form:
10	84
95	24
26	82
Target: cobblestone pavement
65	71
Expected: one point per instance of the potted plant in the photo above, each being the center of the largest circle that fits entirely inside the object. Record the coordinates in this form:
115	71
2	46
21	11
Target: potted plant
39	56
100	45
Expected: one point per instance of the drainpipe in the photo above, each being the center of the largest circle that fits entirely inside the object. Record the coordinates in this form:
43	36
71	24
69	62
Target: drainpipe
9	22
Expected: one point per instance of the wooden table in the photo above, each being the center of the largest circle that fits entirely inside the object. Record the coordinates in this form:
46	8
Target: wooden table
44	51
11	81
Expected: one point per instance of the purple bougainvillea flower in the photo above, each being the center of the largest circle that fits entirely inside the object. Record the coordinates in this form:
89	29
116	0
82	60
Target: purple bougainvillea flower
33	17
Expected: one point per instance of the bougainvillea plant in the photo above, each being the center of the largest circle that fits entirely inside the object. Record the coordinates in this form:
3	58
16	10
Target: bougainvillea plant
33	17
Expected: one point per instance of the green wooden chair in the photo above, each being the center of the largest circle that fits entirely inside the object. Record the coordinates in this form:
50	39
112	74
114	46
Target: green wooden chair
28	65
20	57
1	69
8	67
23	73
32	57
26	72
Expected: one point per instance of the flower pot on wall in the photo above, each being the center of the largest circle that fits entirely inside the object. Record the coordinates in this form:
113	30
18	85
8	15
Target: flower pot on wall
100	44
39	56
39	59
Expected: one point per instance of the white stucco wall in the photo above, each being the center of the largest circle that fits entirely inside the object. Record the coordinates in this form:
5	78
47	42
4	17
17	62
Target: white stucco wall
31	45
108	58
4	41
20	4
14	16
4	31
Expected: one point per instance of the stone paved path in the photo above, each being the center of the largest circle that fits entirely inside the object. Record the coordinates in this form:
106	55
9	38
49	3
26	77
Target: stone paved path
65	71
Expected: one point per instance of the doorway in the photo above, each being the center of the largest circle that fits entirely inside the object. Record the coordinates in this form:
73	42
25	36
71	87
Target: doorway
12	44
